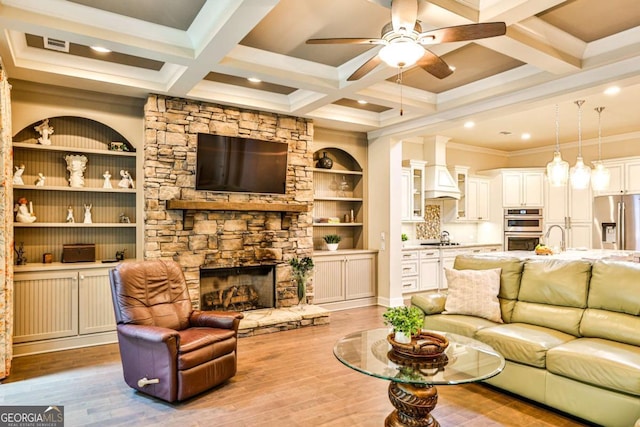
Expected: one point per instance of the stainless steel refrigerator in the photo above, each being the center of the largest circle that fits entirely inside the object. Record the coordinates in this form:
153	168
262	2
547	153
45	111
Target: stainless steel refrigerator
616	222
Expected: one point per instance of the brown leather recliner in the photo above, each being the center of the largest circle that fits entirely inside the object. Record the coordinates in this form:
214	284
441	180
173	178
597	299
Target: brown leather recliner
168	350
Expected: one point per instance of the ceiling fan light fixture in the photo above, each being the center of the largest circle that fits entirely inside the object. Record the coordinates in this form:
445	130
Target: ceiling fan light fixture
401	53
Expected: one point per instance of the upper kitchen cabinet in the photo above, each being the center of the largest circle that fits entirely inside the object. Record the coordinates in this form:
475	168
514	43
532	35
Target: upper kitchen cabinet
473	204
413	172
624	177
522	188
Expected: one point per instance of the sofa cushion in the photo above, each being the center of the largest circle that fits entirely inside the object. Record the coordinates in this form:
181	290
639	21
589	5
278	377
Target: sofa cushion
523	343
473	292
430	303
611	325
614	287
510	273
603	363
554	292
457	324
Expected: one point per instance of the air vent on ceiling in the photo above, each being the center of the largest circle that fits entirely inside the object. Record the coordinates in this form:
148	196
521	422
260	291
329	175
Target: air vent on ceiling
56	44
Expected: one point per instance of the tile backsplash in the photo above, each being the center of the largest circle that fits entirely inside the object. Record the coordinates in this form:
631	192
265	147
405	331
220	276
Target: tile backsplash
430	229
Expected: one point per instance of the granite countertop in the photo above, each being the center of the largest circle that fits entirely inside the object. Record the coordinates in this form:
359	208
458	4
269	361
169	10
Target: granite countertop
414	246
571	254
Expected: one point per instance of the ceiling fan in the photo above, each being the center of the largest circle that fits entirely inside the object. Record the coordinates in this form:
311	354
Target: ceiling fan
404	41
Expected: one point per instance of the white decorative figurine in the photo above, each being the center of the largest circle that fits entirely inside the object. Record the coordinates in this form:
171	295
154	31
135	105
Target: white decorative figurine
70	218
76	165
107	180
45	131
17	177
126	181
40	180
24	213
87	214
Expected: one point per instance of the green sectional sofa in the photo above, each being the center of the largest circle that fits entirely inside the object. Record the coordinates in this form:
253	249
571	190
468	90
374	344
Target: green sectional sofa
570	333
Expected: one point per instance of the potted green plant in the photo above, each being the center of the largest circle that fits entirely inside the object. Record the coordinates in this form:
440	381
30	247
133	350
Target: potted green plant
406	322
300	270
404	238
332	241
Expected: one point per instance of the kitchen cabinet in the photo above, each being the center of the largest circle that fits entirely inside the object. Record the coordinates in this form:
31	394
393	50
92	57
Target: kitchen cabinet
522	188
410	271
429	269
63	308
413	190
478	199
572	210
473	205
344	277
624	177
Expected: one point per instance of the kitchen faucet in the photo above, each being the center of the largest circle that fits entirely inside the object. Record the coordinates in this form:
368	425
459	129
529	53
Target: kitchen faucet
444	237
562	242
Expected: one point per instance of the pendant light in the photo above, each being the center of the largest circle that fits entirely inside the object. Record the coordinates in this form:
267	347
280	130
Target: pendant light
580	173
600	177
557	169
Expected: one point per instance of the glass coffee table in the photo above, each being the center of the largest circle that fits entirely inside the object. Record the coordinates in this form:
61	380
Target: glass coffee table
412	389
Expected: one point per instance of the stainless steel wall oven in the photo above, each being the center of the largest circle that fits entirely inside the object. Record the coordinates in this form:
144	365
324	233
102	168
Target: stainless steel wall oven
522	228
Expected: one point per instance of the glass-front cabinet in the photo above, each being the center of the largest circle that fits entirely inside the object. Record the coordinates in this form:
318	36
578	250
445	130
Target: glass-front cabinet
413	190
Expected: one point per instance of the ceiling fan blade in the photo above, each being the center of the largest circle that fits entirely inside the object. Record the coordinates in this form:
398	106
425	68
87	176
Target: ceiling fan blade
463	33
404	14
345	41
434	65
365	68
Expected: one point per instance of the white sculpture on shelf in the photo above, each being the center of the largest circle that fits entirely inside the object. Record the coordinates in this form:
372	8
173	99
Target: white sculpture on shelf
107	180
87	214
45	131
70	218
76	165
40	180
23	213
126	181
17	176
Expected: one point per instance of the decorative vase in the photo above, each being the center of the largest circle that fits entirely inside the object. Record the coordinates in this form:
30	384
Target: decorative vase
402	338
332	246
325	162
301	281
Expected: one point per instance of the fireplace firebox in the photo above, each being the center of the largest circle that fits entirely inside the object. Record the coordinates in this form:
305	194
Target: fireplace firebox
237	288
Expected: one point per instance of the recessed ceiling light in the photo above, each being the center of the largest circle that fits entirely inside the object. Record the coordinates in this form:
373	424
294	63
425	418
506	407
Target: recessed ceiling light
525	136
100	49
469	124
254	79
452	67
612	90
362	101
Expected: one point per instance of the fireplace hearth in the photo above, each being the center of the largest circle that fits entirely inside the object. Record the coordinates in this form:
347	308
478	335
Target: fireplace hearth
237	288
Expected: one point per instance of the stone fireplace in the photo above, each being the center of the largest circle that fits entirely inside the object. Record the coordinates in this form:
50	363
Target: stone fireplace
214	230
237	288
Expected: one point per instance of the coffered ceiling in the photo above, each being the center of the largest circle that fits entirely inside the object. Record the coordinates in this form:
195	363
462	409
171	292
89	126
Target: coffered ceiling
554	52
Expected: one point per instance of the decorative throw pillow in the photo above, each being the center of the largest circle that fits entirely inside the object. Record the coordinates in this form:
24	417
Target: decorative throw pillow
474	292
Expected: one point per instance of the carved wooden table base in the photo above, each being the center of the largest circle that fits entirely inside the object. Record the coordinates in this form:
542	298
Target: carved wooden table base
413	404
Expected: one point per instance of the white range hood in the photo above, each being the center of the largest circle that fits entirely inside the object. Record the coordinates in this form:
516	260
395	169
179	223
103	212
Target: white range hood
439	184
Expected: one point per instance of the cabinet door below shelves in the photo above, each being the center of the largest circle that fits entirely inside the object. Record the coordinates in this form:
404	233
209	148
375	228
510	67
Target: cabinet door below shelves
328	279
429	274
360	276
45	306
95	306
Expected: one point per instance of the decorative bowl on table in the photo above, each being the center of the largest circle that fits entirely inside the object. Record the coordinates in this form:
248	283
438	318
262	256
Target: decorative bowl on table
424	345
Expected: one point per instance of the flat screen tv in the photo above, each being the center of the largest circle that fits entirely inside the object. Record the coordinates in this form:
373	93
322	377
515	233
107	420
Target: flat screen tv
244	165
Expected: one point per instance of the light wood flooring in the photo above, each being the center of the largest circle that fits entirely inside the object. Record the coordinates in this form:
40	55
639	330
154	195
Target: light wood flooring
285	379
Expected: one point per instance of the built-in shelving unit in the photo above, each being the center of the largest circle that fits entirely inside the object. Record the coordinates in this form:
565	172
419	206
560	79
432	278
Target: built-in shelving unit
75	135
338	201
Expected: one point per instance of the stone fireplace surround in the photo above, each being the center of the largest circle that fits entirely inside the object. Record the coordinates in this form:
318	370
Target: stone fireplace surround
244	234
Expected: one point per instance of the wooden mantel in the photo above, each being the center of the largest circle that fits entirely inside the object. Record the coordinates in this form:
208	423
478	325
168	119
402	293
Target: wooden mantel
189	206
